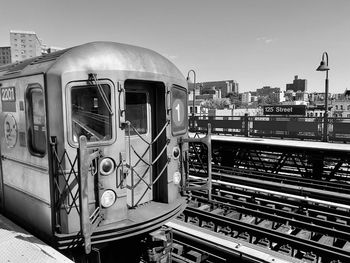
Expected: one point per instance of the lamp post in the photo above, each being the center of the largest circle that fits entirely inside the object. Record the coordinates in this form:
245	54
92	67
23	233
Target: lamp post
324	67
194	92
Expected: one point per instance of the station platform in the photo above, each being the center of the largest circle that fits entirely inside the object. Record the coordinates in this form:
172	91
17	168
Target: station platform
18	246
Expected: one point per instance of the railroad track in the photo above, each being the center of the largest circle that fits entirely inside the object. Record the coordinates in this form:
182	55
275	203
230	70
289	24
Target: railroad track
278	226
194	244
325	201
234	174
338	192
305	218
333	186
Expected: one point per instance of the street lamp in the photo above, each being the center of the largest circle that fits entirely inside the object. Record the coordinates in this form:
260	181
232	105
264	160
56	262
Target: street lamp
324	67
194	92
194	87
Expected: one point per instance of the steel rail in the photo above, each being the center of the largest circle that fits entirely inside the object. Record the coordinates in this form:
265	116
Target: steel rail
286	202
317	195
297	180
227	173
280	238
316	225
223	247
301	194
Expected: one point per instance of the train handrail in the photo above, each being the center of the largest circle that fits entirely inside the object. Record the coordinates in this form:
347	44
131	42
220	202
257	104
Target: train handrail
88	223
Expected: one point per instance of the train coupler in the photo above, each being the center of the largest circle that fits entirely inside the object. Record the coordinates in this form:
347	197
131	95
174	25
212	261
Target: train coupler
159	246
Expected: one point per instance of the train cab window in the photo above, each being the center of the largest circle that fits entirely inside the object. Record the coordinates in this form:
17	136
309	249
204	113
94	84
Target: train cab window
136	112
90	113
179	110
36	121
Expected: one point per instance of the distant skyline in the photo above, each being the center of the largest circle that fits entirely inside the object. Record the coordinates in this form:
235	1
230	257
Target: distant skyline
255	42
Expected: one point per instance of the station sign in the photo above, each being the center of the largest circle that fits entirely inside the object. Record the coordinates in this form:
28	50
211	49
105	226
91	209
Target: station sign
285	110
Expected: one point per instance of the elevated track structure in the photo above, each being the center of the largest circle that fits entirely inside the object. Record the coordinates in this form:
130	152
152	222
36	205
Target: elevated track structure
288	196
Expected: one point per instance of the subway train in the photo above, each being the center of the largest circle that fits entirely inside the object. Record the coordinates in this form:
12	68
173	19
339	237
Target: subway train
92	143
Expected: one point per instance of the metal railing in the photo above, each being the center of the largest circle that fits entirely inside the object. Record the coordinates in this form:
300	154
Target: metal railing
140	158
200	149
311	128
71	190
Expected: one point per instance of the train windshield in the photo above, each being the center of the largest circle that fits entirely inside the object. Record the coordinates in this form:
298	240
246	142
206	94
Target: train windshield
91	116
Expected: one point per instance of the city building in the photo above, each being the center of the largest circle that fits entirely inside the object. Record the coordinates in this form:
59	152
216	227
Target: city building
317	98
340	105
46	50
297	85
254	97
209	91
246	98
340	96
289	95
238	112
277	97
301	95
54	49
224	86
269	95
315	111
5	55
24	45
267	91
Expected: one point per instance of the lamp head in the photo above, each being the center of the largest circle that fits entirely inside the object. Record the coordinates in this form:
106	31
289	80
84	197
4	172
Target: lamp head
323	66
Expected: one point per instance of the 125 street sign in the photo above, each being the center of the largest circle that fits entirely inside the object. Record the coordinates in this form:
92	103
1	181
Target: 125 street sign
285	110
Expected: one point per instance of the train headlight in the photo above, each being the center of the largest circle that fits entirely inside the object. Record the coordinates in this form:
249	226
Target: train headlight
108	198
107	166
176	177
176	152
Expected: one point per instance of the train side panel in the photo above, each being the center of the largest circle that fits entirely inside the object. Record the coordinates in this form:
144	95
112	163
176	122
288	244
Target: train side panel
26	182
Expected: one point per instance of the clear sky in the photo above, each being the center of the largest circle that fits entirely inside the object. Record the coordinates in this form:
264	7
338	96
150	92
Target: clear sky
255	42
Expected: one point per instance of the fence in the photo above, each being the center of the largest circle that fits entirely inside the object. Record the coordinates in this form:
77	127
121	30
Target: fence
310	128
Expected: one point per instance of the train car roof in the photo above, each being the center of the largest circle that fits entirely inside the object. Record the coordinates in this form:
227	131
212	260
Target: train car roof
95	55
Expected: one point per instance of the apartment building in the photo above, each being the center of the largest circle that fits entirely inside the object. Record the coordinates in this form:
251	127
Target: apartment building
24	45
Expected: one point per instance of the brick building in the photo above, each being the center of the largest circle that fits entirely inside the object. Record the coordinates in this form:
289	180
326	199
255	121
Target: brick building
297	85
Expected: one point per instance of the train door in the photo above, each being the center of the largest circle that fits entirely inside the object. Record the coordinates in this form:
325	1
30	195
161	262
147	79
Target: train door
138	114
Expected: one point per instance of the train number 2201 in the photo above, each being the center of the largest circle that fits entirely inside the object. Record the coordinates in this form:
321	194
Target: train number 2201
8	94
